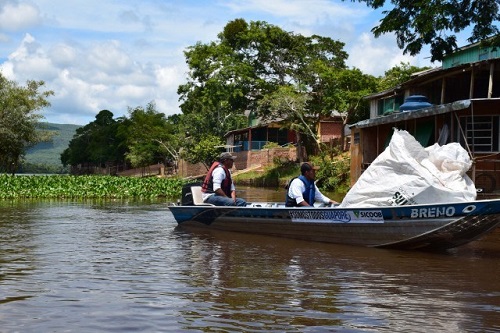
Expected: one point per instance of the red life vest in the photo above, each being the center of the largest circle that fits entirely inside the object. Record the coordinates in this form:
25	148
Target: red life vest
208	183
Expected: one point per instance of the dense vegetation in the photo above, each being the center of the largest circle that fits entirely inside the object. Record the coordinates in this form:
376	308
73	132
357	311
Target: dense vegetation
72	187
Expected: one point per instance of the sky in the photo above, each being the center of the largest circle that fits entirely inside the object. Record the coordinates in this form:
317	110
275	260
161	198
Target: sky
121	54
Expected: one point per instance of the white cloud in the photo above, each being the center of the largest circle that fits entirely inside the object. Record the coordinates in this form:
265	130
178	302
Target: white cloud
87	80
29	61
18	16
376	55
63	55
108	57
112	55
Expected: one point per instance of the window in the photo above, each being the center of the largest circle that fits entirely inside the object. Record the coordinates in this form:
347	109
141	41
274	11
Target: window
356	138
385	106
481	132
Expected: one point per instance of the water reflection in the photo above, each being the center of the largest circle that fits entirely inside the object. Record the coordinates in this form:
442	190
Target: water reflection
124	266
286	283
250	284
16	250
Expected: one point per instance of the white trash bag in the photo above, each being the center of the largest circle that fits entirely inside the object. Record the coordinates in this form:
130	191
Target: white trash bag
405	173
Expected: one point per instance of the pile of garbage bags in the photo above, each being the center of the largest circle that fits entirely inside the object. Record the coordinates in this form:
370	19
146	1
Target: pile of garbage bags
406	173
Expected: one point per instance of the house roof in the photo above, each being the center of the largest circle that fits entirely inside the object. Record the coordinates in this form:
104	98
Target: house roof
425	76
263	124
402	116
334	114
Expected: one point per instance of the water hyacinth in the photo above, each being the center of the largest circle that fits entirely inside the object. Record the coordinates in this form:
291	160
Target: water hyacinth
66	186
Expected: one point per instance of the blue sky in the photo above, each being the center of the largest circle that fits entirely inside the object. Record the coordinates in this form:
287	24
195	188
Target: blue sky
115	54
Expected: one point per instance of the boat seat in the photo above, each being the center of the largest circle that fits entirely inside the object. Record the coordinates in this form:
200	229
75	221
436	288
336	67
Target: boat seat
197	196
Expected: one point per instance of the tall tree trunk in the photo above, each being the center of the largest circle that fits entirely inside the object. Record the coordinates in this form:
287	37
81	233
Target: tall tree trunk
299	147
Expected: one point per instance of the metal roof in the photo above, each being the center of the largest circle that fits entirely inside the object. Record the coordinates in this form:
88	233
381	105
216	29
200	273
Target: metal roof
427	75
402	116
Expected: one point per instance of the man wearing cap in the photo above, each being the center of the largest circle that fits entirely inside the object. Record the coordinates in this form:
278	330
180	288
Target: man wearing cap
302	190
218	187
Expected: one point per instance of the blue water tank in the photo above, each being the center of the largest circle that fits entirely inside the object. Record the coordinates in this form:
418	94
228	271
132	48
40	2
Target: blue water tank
415	102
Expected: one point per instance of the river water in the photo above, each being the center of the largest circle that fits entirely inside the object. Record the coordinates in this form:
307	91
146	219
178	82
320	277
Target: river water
123	266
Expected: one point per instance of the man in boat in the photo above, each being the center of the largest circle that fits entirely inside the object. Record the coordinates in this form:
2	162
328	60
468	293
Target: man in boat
302	191
218	187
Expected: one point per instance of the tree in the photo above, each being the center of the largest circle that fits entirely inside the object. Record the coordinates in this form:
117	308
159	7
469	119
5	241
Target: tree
345	91
96	143
398	74
172	143
249	63
215	98
204	151
435	23
290	105
149	137
19	119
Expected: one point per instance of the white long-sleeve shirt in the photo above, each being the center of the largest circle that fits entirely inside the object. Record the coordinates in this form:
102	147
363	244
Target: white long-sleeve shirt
297	187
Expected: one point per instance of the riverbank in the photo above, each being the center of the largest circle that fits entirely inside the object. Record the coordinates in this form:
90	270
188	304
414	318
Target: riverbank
333	174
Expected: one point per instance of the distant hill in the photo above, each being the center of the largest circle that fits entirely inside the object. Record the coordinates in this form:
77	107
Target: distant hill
49	153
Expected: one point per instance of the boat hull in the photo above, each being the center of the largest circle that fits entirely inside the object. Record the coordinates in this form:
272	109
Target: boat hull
439	226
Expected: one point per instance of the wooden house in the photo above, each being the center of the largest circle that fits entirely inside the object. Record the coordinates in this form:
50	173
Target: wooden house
465	97
248	143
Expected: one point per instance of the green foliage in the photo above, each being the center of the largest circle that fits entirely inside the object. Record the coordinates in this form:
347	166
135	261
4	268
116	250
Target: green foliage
19	118
144	132
96	142
205	151
250	65
343	91
334	173
88	187
435	23
145	137
271	145
398	74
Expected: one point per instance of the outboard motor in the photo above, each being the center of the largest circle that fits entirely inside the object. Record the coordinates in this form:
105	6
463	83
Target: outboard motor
187	197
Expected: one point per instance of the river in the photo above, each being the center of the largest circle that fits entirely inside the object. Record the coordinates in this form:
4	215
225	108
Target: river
124	266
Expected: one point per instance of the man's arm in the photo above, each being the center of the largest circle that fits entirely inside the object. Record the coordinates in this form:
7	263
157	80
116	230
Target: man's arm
323	198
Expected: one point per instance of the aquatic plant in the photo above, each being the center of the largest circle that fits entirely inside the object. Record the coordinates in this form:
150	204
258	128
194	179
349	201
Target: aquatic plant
66	186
